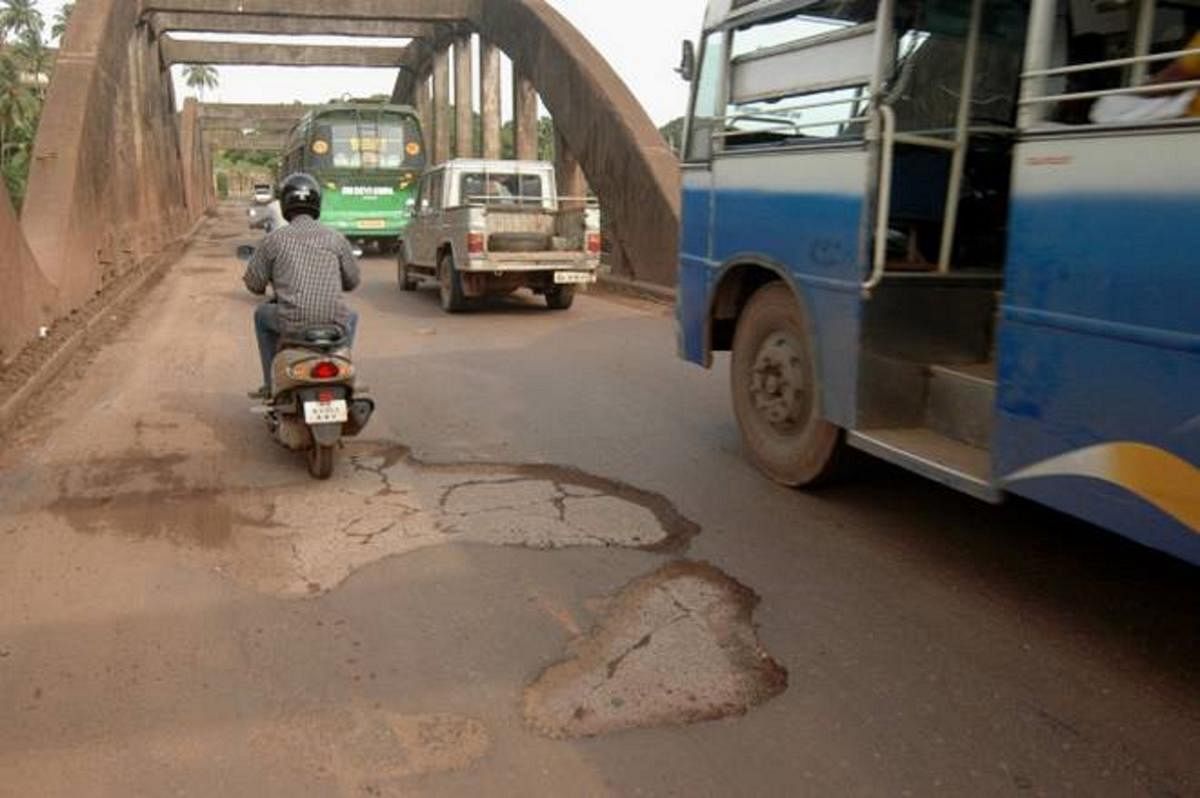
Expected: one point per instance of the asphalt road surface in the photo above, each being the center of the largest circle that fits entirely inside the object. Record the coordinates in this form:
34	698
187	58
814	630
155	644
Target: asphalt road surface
545	570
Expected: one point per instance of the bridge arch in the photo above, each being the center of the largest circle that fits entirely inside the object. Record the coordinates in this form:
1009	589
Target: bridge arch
118	175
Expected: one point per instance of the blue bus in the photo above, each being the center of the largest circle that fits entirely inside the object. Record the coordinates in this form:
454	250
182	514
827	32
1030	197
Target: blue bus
961	236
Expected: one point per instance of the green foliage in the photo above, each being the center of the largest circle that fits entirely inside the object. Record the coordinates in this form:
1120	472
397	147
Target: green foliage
508	147
23	68
222	185
61	19
201	77
19	18
673	133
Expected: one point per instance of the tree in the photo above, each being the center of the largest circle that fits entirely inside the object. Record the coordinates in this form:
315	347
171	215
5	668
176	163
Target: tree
61	20
201	77
673	133
20	107
19	18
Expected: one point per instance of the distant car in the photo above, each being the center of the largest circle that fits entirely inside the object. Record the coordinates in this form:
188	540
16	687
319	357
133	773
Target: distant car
263	193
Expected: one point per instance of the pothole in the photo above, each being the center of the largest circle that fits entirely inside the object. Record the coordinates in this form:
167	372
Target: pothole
675	647
304	537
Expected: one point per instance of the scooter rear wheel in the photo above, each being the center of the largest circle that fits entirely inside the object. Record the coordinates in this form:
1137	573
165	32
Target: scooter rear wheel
320	461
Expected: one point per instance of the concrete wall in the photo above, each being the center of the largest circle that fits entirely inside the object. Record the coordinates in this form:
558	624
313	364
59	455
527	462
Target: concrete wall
107	186
28	295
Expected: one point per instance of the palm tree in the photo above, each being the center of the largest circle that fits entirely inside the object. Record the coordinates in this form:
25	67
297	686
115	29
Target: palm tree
19	17
61	20
201	77
19	110
30	54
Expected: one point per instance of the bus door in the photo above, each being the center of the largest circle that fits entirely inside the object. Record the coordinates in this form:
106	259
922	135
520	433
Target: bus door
1099	412
947	104
792	170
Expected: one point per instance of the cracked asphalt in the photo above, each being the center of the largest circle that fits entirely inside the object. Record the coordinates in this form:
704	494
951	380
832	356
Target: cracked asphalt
545	570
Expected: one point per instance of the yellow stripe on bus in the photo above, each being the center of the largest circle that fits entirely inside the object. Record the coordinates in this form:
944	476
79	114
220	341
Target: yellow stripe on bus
1170	483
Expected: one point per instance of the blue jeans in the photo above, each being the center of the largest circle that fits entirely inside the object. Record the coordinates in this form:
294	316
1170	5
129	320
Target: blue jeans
267	331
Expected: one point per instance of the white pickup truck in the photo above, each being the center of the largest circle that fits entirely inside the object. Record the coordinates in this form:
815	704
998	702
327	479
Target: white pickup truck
487	228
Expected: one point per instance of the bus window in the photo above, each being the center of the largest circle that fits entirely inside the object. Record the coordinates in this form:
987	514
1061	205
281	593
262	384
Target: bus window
1083	85
366	141
799	78
709	95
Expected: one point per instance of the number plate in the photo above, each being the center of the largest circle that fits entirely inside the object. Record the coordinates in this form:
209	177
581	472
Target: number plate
372	224
574	278
335	412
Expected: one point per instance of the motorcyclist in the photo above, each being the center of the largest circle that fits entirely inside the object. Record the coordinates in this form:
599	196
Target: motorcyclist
309	265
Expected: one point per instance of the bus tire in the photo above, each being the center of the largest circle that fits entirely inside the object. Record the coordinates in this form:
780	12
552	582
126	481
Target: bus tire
403	272
776	392
450	285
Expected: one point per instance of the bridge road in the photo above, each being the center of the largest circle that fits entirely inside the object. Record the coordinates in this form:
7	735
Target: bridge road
184	612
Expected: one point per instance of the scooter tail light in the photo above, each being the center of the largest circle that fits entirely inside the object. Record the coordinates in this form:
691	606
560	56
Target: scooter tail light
326	370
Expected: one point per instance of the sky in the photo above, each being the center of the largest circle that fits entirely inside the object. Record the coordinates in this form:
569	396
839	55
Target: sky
640	39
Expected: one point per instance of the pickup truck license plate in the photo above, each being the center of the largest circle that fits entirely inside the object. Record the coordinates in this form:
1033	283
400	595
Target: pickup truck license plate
372	224
335	412
574	278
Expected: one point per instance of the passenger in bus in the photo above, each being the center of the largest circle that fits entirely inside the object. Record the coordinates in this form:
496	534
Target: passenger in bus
1157	106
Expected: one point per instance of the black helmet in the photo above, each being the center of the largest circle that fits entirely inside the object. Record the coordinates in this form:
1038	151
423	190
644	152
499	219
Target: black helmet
300	194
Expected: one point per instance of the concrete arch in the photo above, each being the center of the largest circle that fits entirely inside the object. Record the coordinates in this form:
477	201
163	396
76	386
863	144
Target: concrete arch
626	160
113	181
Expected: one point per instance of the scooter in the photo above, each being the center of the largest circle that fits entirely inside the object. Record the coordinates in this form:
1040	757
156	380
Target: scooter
314	398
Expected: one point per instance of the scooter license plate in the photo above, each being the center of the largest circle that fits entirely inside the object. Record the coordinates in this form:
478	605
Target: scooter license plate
335	412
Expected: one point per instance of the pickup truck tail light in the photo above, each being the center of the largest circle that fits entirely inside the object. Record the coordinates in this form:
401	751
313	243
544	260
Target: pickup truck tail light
593	243
475	243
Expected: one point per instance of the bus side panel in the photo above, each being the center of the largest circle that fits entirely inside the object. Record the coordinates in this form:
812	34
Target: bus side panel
802	211
1099	395
696	268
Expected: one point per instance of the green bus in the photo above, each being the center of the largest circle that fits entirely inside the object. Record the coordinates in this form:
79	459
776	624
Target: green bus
368	158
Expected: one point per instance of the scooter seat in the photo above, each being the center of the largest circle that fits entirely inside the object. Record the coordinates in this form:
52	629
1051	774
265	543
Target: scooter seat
318	336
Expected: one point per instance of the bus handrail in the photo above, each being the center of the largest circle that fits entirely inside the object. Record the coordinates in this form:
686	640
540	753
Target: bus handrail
1115	62
1150	88
883	202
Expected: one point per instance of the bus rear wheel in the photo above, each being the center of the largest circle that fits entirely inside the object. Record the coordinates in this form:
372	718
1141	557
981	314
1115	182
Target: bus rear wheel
776	392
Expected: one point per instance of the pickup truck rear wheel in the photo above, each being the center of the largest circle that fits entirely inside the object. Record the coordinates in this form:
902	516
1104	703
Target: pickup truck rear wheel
560	297
450	285
403	273
777	389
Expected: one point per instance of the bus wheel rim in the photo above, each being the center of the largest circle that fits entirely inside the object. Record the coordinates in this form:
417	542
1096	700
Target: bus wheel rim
779	387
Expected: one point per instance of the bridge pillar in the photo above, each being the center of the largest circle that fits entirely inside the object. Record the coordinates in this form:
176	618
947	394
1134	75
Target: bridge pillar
422	100
569	173
464	139
525	117
489	98
441	105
